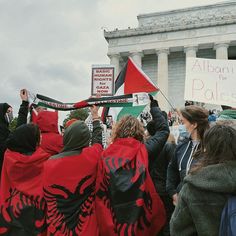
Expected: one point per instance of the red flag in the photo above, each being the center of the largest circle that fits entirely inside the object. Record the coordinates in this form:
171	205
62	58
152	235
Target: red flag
127	203
23	209
69	189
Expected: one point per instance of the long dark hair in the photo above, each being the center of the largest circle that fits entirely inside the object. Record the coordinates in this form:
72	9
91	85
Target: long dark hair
198	115
219	146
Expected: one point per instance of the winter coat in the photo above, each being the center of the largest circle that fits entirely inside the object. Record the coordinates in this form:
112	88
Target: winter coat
159	169
52	141
202	200
180	162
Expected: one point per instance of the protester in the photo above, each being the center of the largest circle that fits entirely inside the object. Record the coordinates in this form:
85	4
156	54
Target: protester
195	120
23	209
126	199
6	116
208	186
69	181
52	140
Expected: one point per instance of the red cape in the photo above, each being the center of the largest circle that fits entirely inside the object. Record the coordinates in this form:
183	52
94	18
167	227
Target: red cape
69	188
23	209
127	203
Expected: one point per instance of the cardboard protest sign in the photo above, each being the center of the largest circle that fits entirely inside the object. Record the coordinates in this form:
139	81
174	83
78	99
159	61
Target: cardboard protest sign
102	80
211	81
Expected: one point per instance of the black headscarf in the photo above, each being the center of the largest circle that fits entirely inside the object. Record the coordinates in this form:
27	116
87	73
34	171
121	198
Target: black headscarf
3	111
24	139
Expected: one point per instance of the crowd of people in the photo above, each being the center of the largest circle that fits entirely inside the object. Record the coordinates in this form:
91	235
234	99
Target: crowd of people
141	182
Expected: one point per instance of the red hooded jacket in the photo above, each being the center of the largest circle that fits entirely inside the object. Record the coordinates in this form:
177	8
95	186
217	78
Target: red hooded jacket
52	141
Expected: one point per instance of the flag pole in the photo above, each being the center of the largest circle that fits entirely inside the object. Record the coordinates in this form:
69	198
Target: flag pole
166	99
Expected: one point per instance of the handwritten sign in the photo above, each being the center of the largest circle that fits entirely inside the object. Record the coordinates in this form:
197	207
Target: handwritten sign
211	81
103	80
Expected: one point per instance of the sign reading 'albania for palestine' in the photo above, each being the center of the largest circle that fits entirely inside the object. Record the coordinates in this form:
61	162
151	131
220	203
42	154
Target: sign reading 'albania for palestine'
211	81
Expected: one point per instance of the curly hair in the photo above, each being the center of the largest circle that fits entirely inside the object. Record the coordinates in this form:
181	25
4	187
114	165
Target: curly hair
127	127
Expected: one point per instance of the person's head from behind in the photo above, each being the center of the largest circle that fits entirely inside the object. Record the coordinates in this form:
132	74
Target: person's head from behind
76	136
219	144
25	139
128	127
195	119
6	113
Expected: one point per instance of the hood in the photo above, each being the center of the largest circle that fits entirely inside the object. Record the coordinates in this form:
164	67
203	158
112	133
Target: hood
48	121
126	147
217	178
3	110
76	136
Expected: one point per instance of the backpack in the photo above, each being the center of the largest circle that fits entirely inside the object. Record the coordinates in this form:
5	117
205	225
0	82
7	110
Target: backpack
228	218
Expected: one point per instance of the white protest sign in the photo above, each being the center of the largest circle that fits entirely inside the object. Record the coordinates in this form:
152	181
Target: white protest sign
211	81
102	80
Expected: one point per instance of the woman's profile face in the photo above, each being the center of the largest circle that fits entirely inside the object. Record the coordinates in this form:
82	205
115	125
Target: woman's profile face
189	126
9	110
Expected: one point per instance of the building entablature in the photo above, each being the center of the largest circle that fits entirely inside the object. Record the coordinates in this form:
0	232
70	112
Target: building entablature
181	19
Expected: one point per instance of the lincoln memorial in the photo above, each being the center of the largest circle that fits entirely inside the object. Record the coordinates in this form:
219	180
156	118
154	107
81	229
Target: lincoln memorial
162	41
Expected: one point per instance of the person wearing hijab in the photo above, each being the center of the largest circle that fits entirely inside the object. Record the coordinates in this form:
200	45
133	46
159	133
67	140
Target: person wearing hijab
6	116
69	181
22	206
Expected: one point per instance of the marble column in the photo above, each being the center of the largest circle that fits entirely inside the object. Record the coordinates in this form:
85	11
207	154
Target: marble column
191	51
137	57
162	78
221	50
115	61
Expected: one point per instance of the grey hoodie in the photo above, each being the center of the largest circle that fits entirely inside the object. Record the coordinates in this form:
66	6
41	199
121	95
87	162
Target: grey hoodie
202	200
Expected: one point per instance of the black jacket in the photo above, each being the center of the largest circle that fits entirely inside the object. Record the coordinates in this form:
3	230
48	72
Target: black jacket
178	166
155	143
159	168
4	131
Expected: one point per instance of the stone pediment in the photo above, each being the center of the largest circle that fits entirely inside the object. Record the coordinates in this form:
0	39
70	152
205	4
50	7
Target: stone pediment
182	19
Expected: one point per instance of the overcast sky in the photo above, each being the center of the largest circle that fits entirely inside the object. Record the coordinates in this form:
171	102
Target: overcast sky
48	46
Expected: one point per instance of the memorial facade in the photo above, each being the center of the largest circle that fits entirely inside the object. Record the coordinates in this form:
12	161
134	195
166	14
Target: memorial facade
163	40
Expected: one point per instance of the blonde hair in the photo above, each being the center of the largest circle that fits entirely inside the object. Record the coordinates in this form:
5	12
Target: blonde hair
128	126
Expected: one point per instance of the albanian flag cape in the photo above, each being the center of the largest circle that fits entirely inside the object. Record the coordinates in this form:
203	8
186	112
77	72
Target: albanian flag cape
127	203
69	189
22	206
